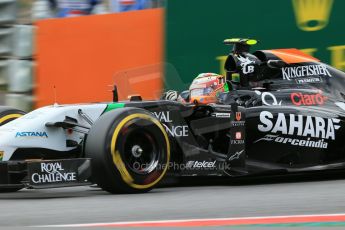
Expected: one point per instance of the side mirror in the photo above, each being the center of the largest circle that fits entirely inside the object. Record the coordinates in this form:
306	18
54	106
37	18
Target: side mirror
135	98
276	64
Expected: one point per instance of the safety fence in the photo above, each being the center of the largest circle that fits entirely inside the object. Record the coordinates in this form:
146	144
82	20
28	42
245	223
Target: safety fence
16	57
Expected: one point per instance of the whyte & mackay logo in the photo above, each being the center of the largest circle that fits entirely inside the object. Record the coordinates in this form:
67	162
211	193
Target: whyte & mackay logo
312	15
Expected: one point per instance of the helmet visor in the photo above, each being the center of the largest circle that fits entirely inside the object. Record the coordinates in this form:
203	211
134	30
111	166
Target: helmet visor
200	92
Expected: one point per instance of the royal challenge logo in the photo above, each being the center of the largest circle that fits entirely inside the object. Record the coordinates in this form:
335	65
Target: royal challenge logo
52	172
167	122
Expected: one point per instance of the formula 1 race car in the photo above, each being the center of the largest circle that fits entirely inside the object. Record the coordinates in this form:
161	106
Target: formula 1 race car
285	114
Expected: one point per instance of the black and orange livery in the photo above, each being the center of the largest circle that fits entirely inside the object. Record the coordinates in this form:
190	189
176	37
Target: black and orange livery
285	115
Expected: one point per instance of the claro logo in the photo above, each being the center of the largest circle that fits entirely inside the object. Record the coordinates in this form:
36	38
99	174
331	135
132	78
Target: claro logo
300	99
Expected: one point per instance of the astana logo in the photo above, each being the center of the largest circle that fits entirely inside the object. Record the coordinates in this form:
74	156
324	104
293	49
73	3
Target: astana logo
312	15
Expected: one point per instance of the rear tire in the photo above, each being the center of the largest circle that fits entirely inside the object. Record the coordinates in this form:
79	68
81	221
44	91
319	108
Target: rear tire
130	151
8	114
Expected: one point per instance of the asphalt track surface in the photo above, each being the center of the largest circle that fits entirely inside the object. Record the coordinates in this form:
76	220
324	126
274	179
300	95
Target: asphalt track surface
187	200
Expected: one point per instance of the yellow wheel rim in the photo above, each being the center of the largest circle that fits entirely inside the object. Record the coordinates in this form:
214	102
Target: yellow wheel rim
118	160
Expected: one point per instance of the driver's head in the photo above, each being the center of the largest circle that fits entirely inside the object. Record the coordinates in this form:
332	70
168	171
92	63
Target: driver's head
206	87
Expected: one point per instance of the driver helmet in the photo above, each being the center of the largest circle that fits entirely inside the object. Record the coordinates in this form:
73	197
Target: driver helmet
206	87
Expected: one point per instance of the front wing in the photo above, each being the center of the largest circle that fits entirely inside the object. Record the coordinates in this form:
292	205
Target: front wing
45	173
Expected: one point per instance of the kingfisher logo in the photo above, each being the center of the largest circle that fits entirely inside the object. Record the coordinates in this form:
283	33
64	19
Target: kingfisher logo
290	73
301	99
32	134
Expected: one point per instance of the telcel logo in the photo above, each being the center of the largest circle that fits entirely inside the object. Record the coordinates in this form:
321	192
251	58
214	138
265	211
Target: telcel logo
201	164
308	99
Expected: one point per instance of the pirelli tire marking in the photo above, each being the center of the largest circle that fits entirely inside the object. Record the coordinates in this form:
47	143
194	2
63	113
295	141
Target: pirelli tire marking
120	165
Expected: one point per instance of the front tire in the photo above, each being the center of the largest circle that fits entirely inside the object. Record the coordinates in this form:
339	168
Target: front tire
8	114
130	151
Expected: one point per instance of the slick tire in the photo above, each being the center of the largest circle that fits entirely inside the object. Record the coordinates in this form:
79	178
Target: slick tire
8	114
130	151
